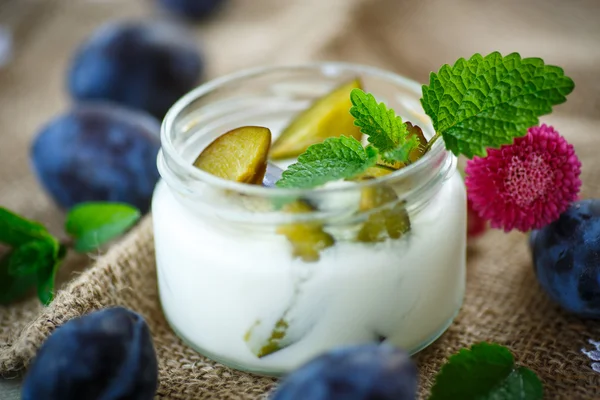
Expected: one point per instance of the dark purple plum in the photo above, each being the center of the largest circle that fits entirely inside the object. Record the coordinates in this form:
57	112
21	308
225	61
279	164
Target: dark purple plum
364	372
143	65
566	258
106	355
98	152
191	9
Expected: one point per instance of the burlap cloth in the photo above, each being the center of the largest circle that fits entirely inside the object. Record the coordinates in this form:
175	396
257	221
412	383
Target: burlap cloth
503	302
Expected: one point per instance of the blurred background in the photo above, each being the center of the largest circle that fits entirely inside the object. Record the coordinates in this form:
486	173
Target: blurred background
40	41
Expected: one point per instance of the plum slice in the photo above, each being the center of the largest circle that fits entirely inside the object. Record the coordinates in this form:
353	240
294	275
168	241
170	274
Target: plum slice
376	171
387	223
307	238
239	155
328	116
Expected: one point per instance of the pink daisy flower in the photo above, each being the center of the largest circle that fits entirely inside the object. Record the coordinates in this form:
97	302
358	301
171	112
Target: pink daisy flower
525	185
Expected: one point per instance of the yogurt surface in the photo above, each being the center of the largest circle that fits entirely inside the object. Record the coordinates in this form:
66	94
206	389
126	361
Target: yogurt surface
225	291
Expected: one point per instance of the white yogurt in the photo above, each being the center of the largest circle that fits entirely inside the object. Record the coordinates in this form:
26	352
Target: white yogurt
224	291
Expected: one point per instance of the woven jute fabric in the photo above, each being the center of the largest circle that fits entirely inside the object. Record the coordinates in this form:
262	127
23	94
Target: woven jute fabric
503	303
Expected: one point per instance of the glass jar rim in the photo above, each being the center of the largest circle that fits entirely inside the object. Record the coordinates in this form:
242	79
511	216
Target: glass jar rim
168	148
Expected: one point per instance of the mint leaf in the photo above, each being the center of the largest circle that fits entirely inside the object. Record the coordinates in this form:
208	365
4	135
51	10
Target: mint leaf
484	372
488	101
30	257
94	224
46	277
334	159
13	287
402	153
522	384
16	230
385	130
35	254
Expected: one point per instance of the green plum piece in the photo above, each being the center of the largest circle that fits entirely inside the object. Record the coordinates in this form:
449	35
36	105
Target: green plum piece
374	172
274	342
262	342
308	239
387	223
239	155
327	117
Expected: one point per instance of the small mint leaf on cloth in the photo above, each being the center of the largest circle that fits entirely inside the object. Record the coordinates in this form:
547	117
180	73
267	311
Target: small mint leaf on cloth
488	101
334	159
13	287
486	371
16	230
96	223
35	252
385	130
46	277
31	257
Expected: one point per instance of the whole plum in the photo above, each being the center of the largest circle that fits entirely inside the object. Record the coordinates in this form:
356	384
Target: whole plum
363	372
147	66
98	152
192	9
106	355
566	258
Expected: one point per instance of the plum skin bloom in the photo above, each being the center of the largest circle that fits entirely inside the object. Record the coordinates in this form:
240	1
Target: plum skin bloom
527	184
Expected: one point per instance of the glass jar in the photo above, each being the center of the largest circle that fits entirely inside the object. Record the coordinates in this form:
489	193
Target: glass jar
230	284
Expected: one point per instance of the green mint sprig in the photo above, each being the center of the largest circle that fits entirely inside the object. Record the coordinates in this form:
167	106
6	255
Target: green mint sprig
93	224
335	158
485	371
345	157
35	255
384	129
485	102
476	104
